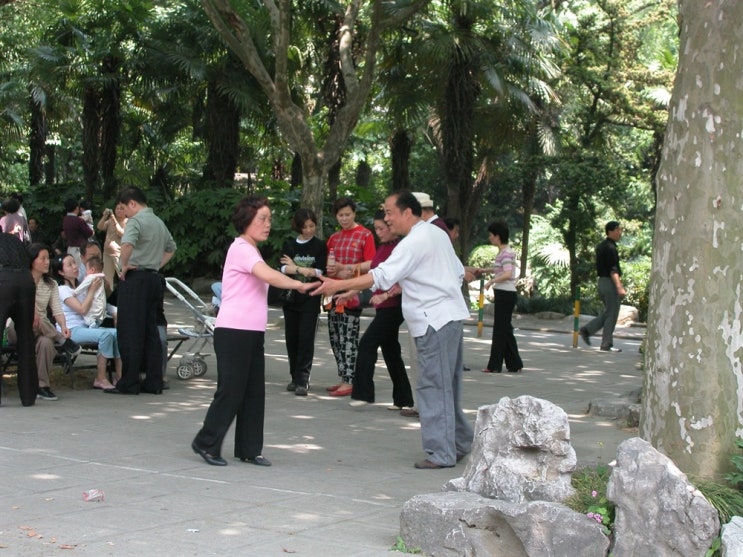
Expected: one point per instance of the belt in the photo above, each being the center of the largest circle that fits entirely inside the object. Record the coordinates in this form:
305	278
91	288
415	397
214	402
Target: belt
11	269
140	269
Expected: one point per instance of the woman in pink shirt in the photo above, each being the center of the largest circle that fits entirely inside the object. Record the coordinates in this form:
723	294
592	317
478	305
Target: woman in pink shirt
238	340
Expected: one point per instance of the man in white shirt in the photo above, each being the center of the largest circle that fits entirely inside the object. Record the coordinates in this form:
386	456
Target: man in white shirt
430	274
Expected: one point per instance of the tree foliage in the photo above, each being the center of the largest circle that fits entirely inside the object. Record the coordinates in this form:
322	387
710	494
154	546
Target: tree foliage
499	111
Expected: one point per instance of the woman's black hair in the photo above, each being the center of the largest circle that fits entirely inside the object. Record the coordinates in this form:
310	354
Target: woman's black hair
342	202
56	269
300	217
33	251
500	229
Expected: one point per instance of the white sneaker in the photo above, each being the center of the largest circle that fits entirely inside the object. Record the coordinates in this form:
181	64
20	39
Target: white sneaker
357	403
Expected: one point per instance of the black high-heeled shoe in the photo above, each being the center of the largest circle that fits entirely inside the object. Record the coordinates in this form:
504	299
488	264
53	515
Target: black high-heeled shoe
209	458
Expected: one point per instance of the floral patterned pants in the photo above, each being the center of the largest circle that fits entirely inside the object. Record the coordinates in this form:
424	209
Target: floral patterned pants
343	329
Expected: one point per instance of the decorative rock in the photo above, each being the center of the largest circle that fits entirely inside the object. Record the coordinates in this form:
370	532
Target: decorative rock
658	511
455	524
627	315
549	315
732	538
626	408
521	452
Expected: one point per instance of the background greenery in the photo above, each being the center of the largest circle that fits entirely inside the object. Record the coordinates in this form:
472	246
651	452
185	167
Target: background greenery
549	116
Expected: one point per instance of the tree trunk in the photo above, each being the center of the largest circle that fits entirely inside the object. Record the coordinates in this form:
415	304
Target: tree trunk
457	134
37	143
334	180
693	392
110	125
314	178
296	178
222	137
363	175
528	192
50	166
91	137
400	146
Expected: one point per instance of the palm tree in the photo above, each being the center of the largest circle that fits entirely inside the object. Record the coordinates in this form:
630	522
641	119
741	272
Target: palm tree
84	53
488	67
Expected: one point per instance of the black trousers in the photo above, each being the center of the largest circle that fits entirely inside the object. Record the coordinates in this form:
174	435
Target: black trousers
503	346
18	301
300	328
241	393
136	329
382	333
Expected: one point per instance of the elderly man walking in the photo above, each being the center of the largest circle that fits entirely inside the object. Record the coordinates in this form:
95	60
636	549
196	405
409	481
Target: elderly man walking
430	274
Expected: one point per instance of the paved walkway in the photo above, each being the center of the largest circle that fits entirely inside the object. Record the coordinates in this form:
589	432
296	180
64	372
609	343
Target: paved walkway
340	474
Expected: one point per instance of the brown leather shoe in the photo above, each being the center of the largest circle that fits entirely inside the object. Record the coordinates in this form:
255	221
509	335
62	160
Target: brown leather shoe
409	413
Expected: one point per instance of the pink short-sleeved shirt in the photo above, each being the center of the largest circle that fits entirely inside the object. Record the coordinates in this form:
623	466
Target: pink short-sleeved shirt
244	296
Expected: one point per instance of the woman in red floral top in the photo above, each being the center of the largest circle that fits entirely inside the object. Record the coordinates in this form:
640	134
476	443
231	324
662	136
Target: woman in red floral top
352	246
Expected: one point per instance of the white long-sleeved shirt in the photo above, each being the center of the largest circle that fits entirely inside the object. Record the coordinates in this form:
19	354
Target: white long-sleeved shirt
430	275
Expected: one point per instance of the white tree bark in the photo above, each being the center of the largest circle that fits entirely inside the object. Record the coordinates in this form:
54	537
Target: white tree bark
693	393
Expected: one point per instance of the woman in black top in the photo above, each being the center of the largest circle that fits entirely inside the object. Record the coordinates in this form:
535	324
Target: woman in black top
304	259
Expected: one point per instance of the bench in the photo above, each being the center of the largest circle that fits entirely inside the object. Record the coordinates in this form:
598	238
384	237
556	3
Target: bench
9	356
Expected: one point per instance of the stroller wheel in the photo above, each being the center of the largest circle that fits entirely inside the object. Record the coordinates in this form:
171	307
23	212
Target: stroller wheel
199	367
184	371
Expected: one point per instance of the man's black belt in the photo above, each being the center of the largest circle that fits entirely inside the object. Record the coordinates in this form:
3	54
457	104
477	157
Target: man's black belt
143	270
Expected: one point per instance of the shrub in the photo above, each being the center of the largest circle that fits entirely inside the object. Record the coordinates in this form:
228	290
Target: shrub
200	224
483	256
636	279
590	495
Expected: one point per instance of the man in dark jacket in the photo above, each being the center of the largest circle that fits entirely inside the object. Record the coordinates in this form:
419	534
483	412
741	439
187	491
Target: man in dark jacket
610	288
17	301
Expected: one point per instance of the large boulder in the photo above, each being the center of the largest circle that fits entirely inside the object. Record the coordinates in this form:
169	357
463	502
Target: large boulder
658	511
521	452
732	538
456	524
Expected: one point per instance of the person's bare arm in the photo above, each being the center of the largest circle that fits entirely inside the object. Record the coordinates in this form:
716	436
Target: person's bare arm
331	286
618	283
126	253
167	256
279	280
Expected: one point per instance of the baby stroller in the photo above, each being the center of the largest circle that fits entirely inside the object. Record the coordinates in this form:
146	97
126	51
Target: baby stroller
193	365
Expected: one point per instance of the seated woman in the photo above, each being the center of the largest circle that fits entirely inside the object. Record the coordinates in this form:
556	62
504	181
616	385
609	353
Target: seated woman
47	336
75	307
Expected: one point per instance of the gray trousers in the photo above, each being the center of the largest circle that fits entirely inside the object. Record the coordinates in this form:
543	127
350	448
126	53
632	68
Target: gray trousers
608	319
445	430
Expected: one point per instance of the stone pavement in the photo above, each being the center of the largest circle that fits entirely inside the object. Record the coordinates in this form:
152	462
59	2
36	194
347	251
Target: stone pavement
339	478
